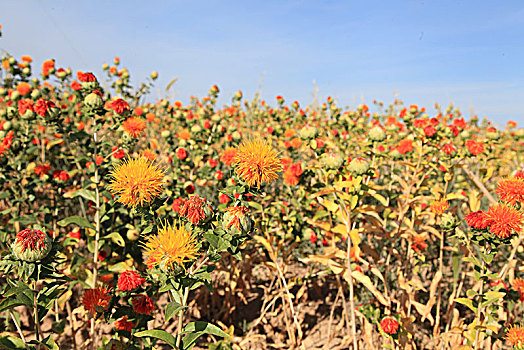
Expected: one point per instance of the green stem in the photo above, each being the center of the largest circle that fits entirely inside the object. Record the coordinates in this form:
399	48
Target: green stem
18	329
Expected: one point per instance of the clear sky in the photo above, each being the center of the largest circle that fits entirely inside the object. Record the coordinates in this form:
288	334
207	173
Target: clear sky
470	53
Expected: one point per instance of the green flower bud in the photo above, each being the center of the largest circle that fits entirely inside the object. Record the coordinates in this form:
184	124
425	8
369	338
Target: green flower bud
165	134
35	94
154	75
359	166
94	100
308	132
448	222
331	160
196	128
377	134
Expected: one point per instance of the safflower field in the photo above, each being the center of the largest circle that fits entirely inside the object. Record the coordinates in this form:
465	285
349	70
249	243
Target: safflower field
134	223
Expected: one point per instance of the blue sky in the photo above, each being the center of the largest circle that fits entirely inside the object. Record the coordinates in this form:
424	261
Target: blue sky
470	53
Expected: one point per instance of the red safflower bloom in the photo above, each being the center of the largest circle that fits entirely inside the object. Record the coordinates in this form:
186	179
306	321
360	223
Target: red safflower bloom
119	106
430	131
96	300
477	220
212	163
389	325
228	155
118	154
129	280
43	169
134	126
503	220
511	190
194	209
124	325
178	203
86	77
518	285
61	175
474	147
75	85
24	105
449	149
181	153
42	107
142	304
190	189
223	198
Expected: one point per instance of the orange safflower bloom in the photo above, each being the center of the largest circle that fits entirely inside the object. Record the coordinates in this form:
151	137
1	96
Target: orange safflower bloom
228	156
296	142
134	126
440	206
149	154
173	245
515	335
504	220
23	88
27	59
150	117
518	285
289	133
184	135
257	162
96	300
136	181
511	190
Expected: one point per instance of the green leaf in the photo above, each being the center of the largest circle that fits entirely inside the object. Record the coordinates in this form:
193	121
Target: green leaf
172	309
467	302
116	238
491	297
196	330
77	220
87	194
158	334
25	220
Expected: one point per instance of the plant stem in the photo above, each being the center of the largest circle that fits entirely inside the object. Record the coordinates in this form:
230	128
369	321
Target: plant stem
347	222
18	329
97	213
35	306
479	310
181	318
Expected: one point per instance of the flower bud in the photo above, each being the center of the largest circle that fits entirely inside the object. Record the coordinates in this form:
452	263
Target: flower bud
448	222
308	132
237	220
35	94
165	134
32	244
93	100
154	75
377	134
331	160
359	166
132	234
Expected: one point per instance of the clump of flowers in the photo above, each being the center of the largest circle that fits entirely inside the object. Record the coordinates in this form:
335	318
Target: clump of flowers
134	126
